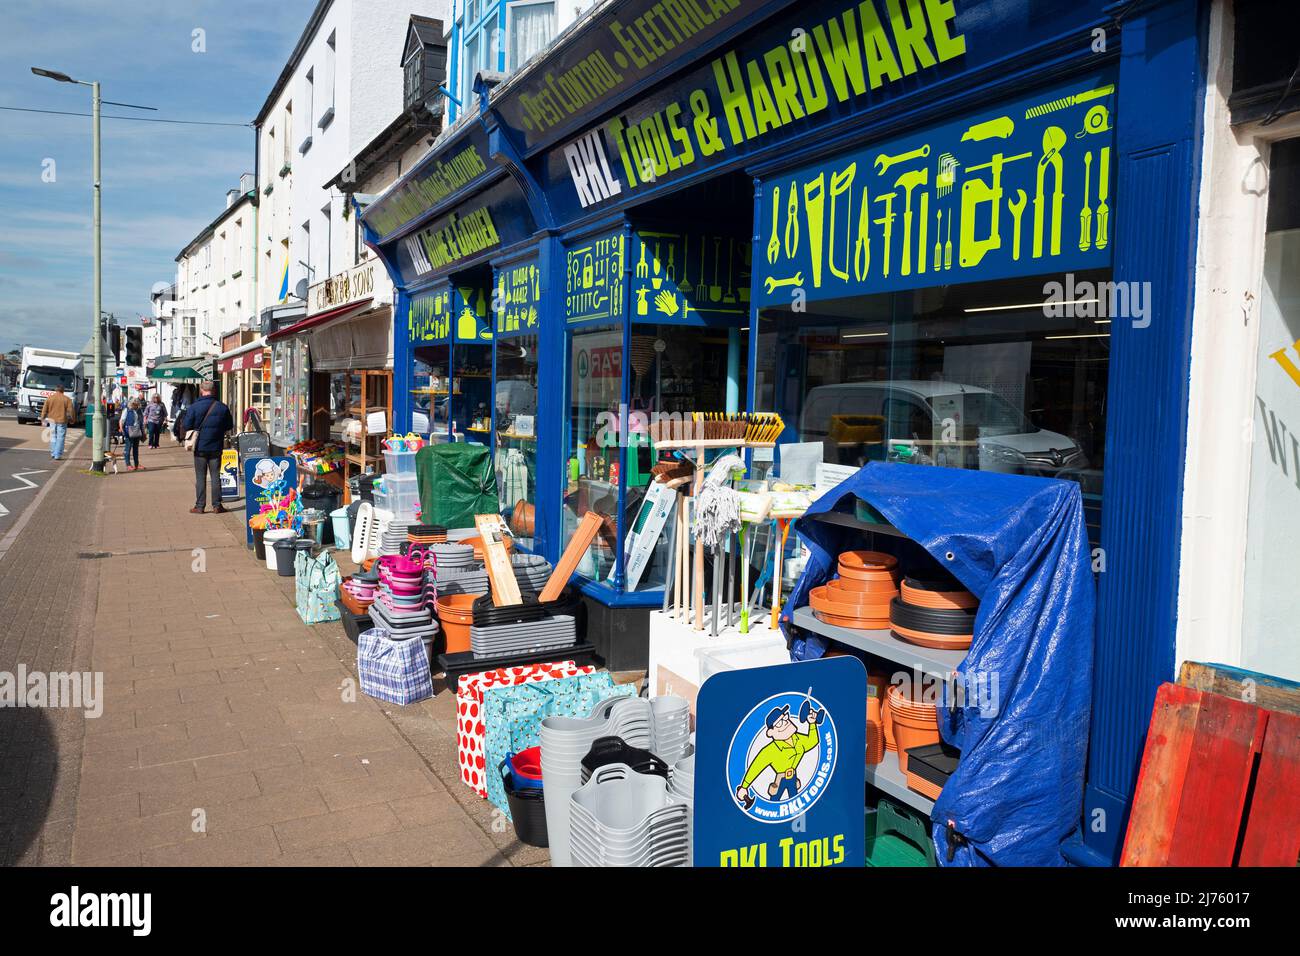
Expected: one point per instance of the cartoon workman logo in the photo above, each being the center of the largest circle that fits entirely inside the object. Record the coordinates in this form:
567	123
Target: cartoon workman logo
782	757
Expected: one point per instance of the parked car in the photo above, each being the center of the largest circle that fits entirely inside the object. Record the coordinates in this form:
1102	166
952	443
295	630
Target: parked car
934	423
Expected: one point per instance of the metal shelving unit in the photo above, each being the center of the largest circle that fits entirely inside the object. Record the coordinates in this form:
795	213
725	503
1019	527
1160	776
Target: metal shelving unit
881	643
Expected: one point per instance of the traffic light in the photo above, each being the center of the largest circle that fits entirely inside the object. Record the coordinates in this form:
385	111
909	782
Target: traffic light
135	346
115	342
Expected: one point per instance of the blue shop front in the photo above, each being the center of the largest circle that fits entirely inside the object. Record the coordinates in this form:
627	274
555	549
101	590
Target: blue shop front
948	232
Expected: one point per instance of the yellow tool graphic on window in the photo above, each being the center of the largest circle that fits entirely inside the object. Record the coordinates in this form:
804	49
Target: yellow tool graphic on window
908	182
774	244
792	223
975	192
841	184
1053	139
862	250
814	203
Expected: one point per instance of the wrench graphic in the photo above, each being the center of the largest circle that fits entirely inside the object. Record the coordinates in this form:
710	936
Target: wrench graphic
771	284
883	161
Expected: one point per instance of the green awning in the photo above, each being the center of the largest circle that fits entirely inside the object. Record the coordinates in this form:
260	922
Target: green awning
183	370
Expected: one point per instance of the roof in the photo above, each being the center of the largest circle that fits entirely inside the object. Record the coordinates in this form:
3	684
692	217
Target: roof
313	24
395	138
207	231
427	31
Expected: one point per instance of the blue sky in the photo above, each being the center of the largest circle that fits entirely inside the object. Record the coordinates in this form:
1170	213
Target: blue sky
162	182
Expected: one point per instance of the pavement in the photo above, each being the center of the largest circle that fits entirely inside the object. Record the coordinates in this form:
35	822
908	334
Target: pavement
230	733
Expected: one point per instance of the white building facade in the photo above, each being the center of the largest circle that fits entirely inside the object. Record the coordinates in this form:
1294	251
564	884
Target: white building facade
341	86
215	287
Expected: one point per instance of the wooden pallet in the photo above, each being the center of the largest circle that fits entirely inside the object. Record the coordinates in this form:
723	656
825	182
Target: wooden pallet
1198	791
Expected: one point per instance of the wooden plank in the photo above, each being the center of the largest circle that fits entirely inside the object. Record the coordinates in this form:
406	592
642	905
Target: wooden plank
578	545
1193	781
505	586
1160	777
1252	687
1229	734
1273	818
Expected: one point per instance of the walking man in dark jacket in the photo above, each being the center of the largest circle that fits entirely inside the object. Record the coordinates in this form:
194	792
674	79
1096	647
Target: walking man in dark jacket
212	420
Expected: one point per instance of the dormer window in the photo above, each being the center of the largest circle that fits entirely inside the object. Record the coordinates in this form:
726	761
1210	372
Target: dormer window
424	63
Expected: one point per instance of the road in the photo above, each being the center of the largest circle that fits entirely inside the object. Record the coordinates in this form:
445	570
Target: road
25	465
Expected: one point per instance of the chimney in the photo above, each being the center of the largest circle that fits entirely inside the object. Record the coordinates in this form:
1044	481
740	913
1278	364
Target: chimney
247	183
231	196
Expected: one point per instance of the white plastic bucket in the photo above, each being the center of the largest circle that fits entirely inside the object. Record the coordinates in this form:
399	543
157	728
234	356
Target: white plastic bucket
342	531
269	539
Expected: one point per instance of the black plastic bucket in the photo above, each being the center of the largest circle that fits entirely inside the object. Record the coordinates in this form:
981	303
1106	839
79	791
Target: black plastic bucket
527	811
285	551
259	545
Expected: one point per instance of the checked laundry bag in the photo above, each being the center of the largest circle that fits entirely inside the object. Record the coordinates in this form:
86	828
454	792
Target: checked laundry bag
393	670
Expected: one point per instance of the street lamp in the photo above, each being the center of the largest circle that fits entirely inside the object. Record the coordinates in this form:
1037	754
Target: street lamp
97	422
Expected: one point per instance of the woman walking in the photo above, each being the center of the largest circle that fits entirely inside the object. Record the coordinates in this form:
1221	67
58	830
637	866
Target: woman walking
132	423
155	416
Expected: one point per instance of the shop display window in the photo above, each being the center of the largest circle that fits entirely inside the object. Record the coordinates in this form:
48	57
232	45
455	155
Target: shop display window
671	369
1006	376
260	391
595	390
431	392
516	433
290	392
471	401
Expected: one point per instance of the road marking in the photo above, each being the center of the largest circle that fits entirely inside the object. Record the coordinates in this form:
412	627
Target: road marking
7	541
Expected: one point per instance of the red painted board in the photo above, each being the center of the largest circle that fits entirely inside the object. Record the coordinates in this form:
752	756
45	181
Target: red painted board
1228	735
1192	784
1273	819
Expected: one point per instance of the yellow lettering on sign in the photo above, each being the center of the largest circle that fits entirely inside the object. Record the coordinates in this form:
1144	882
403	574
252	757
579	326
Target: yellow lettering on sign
1284	360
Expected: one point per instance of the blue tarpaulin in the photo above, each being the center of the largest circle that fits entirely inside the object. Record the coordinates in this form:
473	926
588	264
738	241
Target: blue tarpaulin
1020	545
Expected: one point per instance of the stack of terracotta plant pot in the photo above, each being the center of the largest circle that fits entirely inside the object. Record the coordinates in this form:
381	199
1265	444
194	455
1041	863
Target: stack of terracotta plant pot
876	684
939	613
860	597
915	724
456	614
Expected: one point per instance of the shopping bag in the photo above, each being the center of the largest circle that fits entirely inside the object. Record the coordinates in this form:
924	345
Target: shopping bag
316	585
513	716
470	725
393	670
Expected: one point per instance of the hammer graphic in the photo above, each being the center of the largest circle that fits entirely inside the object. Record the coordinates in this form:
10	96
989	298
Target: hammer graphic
907	182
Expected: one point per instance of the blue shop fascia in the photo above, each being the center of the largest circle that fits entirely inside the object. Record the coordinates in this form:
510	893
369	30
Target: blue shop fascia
728	206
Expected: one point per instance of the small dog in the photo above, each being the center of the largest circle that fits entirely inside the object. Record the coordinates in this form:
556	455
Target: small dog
110	456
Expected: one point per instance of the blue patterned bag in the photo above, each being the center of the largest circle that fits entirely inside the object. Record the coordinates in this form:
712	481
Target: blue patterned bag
513	716
392	670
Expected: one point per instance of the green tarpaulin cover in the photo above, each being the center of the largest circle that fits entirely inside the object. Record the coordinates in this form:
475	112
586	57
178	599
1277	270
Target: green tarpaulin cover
457	482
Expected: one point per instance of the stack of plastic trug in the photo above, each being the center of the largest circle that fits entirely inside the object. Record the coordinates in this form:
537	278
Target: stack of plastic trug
623	818
565	741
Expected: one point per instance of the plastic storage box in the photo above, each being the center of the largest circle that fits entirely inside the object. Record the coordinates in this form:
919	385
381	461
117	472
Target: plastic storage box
399	463
759	654
402	494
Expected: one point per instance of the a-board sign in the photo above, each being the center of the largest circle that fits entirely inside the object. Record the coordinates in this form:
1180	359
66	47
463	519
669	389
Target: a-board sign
271	488
229	474
780	766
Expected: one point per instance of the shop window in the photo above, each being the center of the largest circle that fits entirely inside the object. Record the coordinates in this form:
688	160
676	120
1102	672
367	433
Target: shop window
431	392
1006	376
671	369
516	433
595	390
470	406
290	392
529	28
1271	598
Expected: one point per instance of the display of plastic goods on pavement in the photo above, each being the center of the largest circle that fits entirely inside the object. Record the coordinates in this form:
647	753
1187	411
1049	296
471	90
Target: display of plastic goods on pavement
623	818
555	634
527	809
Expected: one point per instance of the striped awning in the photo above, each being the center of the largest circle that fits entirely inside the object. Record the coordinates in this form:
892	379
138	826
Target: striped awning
198	369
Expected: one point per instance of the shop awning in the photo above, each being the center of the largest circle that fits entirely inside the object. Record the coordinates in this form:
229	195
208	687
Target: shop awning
354	341
198	369
320	318
249	355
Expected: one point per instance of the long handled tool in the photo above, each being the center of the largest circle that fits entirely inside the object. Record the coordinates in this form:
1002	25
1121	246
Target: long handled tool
778	570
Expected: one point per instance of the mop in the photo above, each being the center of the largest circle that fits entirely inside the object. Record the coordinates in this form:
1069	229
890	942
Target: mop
717	517
754	507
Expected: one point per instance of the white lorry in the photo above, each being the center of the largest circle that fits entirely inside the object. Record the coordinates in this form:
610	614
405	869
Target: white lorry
42	370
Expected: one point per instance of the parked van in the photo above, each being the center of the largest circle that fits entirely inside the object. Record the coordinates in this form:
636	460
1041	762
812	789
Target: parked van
937	423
